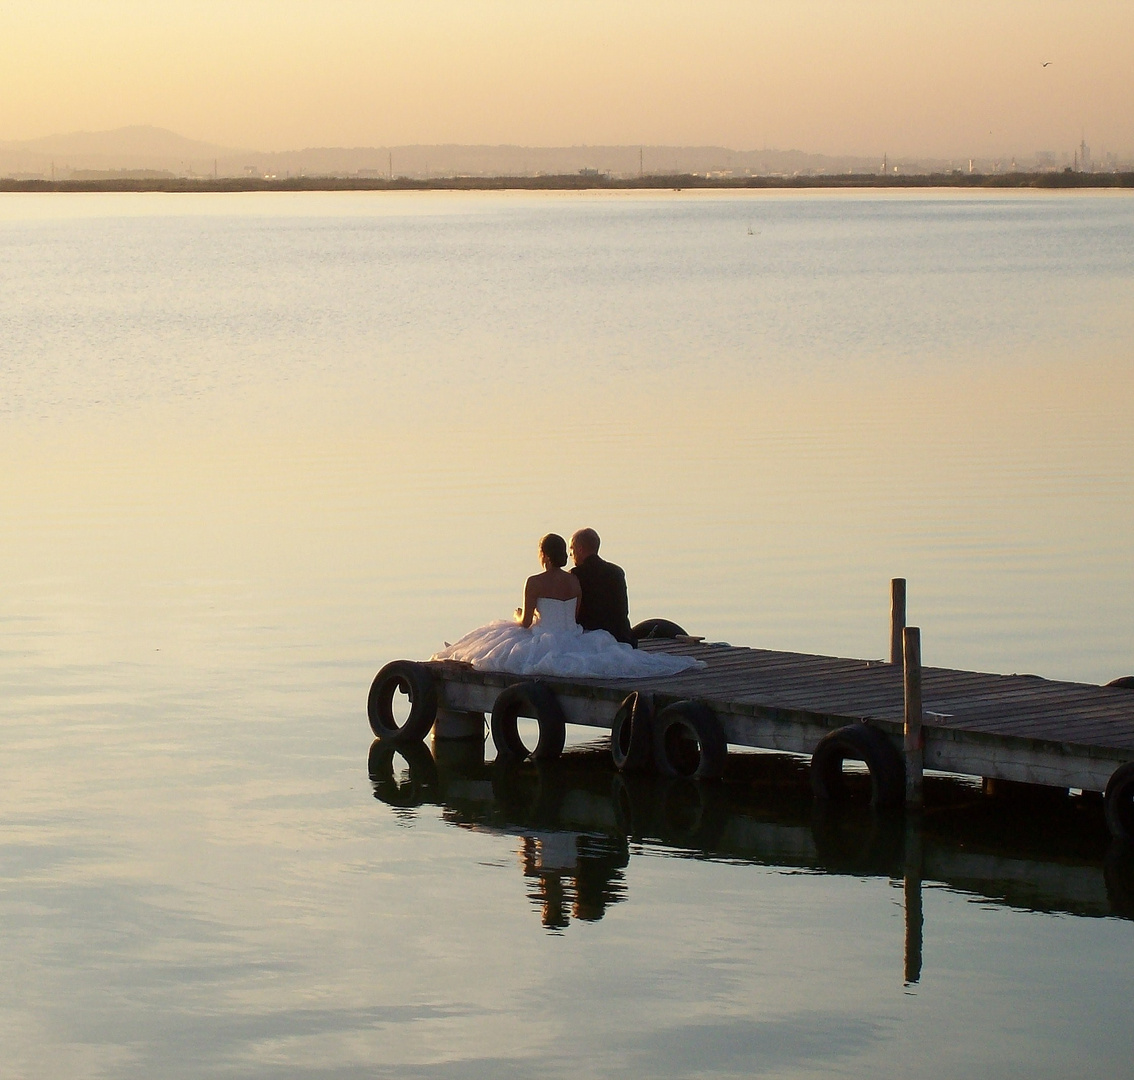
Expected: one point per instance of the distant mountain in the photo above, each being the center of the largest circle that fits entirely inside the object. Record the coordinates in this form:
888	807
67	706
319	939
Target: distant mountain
149	150
121	144
126	149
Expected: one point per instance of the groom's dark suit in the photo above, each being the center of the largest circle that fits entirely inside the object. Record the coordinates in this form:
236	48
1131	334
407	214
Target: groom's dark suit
605	606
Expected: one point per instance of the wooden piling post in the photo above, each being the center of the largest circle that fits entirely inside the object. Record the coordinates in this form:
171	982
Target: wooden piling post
914	743
897	617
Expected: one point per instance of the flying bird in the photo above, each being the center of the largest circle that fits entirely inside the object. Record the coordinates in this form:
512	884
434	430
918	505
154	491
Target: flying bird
1046	63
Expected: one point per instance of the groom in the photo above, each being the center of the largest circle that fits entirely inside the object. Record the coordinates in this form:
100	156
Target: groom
605	606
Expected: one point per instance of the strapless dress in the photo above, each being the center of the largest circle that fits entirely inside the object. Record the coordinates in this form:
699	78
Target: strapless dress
557	645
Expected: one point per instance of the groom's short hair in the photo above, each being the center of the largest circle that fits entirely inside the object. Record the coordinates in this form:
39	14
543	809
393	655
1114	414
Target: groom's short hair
587	539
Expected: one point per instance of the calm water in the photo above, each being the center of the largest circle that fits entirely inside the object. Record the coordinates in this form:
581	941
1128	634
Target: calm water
253	446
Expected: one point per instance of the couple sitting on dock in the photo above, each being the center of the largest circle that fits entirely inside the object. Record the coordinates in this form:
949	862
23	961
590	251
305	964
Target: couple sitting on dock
573	624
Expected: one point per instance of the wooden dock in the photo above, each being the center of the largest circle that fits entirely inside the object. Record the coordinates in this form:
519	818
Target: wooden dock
1010	727
1018	728
897	717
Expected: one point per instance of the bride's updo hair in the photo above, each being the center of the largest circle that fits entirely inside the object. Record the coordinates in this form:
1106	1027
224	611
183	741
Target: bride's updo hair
554	547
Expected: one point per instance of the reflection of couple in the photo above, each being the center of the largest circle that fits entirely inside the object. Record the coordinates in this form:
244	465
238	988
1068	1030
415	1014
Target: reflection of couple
571	624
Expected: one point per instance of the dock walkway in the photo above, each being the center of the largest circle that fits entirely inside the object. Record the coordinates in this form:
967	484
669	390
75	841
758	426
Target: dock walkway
1010	727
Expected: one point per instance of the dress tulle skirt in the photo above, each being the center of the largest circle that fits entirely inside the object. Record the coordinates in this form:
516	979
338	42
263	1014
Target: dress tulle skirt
565	652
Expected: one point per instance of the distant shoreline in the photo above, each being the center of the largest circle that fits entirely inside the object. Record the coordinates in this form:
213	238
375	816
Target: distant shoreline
577	182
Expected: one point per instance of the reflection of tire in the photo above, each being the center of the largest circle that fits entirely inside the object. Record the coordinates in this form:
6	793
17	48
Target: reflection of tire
535	700
657	628
1118	873
417	682
1126	682
689	742
681	811
633	810
527	795
631	734
858	840
858	742
1118	803
422	780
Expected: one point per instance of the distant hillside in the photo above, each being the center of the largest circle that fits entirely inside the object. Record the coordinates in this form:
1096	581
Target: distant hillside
125	149
143	151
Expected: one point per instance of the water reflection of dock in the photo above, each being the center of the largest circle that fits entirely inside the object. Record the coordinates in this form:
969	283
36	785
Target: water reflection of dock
577	823
1006	728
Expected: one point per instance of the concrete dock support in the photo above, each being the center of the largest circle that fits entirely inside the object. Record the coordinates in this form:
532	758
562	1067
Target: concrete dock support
451	724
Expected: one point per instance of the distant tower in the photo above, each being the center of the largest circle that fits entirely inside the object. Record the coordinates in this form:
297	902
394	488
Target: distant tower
885	165
391	164
641	171
1084	154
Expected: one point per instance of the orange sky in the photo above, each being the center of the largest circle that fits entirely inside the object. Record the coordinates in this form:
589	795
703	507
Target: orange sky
953	79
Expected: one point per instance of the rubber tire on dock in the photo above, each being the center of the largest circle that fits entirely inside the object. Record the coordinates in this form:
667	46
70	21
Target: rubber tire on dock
680	724
858	742
538	701
631	734
1118	803
657	628
416	681
1125	683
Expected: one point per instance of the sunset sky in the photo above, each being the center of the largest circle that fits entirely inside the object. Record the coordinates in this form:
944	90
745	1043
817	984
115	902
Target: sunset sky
830	76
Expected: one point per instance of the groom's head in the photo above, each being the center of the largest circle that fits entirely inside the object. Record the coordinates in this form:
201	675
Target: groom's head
583	543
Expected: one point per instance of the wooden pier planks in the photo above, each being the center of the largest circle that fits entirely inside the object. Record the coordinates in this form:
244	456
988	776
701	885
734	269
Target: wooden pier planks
1015	727
1015	706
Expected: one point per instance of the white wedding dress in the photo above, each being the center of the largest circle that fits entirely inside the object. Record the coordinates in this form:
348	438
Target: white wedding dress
557	645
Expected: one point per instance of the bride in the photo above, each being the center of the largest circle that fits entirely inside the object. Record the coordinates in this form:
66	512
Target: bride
543	637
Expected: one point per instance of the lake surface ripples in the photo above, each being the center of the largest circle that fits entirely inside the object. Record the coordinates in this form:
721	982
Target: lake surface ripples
254	446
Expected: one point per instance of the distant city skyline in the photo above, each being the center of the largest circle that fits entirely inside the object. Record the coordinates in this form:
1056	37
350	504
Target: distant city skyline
991	80
152	153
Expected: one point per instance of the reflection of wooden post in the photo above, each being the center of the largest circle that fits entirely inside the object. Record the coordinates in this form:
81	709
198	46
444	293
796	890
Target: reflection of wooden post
897	618
914	748
911	891
911	670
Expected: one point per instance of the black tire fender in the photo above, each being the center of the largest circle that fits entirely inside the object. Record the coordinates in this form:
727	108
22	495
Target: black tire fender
631	734
689	742
538	701
416	681
657	628
1125	683
1118	803
858	742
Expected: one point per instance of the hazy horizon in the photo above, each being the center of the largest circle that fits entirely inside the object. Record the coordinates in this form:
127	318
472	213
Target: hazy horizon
826	78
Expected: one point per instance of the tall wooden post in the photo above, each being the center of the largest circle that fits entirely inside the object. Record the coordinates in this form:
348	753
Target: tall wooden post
897	618
911	672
